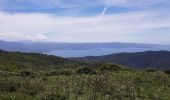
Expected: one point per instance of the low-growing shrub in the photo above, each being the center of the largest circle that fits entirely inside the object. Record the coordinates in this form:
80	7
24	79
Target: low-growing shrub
86	70
65	72
8	87
26	73
12	88
53	73
57	73
111	67
167	72
150	70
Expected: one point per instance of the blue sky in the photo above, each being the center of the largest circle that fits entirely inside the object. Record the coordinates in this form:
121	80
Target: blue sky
138	21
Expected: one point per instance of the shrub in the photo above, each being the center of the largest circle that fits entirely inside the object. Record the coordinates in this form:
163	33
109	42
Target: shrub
150	70
57	73
31	87
8	86
86	70
53	73
167	72
111	67
66	72
12	88
26	73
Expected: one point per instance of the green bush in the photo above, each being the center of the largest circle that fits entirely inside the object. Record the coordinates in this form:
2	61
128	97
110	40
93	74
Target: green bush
167	72
150	70
65	72
53	73
26	73
59	72
86	70
8	86
111	67
31	87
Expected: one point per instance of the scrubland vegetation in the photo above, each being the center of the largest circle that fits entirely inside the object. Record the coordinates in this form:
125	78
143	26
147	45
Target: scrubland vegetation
54	78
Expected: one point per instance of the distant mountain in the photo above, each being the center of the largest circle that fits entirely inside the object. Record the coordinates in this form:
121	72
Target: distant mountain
44	47
79	49
26	46
142	60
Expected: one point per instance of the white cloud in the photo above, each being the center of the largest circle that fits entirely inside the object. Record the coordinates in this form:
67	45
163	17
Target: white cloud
19	36
115	27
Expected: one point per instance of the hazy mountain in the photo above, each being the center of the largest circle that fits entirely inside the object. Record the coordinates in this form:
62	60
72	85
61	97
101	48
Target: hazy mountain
26	46
142	60
79	49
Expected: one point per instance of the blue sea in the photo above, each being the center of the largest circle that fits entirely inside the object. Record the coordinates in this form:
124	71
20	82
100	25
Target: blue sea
101	51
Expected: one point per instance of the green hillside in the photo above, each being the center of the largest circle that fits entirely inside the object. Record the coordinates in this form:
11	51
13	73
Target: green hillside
159	60
29	76
18	60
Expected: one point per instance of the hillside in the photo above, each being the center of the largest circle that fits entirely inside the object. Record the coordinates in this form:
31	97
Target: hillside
151	59
31	76
20	60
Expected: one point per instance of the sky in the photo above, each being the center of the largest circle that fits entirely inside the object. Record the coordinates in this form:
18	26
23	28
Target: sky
132	21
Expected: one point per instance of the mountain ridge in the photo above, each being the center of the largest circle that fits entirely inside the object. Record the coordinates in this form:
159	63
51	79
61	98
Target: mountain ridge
49	46
159	60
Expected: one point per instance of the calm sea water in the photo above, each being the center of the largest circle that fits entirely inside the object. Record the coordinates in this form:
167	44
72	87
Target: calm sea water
99	52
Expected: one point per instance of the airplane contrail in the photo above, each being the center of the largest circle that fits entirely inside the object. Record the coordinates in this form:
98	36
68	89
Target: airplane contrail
103	12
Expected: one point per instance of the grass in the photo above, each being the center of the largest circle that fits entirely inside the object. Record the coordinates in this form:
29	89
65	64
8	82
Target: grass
103	85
